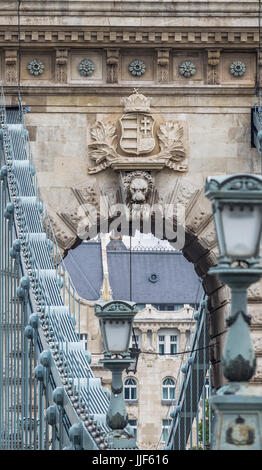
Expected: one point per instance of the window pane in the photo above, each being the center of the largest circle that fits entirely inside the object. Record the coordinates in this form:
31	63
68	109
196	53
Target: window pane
173	349
165	393
133	424
161	349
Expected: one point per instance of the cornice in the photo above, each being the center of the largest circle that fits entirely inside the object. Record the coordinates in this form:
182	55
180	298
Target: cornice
105	36
118	90
167	8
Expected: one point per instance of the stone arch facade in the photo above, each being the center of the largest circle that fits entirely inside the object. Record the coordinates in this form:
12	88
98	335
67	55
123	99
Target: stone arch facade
200	249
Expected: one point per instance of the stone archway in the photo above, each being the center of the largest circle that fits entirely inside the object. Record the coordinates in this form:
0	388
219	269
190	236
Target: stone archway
199	249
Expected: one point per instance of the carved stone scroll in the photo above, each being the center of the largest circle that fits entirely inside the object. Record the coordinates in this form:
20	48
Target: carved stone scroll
61	65
163	65
112	63
213	57
11	65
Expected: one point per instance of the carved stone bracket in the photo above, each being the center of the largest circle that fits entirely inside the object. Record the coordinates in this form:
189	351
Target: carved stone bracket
11	63
112	62
61	65
163	65
213	58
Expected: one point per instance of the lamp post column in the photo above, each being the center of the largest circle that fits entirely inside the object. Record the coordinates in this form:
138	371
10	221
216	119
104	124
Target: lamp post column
238	419
237	208
239	360
116	417
116	322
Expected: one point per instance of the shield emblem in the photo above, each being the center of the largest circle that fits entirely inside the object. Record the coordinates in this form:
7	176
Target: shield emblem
137	133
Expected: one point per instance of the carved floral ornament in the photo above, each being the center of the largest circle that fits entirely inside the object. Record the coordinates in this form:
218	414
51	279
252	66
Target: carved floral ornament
137	68
35	67
138	139
237	68
86	67
187	69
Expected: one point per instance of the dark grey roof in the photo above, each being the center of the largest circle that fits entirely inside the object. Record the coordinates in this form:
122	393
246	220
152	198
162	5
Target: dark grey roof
157	276
84	265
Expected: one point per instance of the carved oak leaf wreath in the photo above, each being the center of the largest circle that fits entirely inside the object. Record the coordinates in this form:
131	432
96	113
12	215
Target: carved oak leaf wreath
103	148
172	148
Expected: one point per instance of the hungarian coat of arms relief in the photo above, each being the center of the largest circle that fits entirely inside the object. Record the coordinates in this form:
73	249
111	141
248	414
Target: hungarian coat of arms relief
138	140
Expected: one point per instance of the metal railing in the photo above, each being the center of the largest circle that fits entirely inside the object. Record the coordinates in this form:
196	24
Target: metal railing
191	418
49	397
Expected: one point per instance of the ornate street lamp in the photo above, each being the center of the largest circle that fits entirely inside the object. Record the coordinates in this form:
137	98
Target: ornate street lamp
237	208
116	322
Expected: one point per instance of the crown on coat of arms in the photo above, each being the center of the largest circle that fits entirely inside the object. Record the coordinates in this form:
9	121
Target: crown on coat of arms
136	102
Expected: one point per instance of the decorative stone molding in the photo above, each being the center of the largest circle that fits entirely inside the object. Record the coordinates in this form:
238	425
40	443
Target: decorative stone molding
61	65
11	64
112	63
64	237
213	59
257	344
163	65
86	195
143	36
254	292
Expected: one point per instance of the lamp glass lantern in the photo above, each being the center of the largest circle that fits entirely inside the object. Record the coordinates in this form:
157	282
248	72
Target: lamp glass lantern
116	322
237	208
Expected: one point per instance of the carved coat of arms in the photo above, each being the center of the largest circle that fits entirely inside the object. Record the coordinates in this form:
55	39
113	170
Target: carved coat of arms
138	139
137	133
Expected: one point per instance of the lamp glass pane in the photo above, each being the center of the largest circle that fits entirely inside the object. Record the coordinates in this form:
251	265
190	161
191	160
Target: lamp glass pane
241	227
117	335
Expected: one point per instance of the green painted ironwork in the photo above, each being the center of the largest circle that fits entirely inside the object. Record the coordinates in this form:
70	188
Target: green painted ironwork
49	397
190	412
238	420
47	388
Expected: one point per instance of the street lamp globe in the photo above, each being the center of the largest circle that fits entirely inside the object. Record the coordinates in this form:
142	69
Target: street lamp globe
237	208
116	322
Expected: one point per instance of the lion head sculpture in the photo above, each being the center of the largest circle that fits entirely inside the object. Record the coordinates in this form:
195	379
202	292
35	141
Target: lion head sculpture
138	186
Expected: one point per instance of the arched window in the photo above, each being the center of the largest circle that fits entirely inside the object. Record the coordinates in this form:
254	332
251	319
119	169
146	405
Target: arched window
130	389
168	389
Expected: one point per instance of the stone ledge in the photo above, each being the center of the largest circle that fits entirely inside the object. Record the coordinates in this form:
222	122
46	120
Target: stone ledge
126	8
109	35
